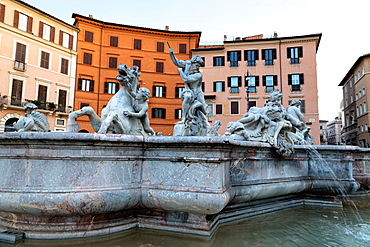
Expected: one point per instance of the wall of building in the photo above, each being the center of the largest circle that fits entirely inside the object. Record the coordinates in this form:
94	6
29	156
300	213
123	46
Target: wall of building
281	68
30	72
356	103
125	53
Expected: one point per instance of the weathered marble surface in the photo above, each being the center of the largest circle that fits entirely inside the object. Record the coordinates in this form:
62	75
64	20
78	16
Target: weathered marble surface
67	185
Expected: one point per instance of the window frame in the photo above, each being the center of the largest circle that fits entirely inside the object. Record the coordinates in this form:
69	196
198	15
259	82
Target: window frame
64	66
45	58
269	55
218	61
89	36
159	113
113	41
137	44
87	59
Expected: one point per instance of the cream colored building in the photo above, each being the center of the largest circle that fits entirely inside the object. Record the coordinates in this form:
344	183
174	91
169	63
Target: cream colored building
37	64
356	98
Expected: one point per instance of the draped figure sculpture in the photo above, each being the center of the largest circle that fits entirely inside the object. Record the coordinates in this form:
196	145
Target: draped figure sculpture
273	124
126	111
194	121
34	121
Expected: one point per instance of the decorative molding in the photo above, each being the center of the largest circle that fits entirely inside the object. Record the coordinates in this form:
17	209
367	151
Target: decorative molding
12	72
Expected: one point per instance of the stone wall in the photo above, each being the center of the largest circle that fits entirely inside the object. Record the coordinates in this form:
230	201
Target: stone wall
67	185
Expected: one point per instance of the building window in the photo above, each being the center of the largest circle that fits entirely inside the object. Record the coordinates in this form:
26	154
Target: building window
182	48
178	91
160	46
20	57
87	58
234	57
136	63
365	109
295	81
22	21
159	91
2	12
269	81
269	55
83	105
137	44
234	107
204	62
234	82
64	66
17	87
159	67
112	62
45	58
294	53
253	83
62	100
219	109
219	61
60	122
89	36
86	85
46	32
111	87
251	56
218	86
158	113
251	104
41	96
113	41
65	40
178	113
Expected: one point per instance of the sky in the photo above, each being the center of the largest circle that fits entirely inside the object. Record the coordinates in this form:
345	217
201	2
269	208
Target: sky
343	24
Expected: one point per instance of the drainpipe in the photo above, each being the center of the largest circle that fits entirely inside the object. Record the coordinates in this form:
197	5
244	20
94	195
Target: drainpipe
99	74
281	79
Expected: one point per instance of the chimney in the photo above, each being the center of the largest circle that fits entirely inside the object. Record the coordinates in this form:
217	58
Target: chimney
167	28
91	16
225	37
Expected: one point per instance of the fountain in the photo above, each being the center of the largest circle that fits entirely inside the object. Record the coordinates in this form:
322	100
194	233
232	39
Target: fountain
74	185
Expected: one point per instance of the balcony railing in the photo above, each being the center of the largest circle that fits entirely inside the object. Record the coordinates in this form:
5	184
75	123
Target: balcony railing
21	66
234	64
234	90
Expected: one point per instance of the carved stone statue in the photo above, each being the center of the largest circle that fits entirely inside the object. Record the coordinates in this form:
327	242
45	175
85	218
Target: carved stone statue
194	121
126	111
273	124
34	121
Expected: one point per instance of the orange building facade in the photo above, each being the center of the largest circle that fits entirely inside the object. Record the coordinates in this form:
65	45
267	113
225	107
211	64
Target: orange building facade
37	64
284	63
102	46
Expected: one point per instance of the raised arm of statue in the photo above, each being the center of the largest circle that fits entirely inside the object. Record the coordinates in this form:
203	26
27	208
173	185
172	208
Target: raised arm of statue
178	63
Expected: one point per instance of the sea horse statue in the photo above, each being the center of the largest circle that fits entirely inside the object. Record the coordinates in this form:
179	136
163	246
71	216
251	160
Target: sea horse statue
126	111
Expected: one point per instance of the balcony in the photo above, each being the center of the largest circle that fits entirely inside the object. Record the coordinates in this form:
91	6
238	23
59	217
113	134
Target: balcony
21	66
234	64
234	90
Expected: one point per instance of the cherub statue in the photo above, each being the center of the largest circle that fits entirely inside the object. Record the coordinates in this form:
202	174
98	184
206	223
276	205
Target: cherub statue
141	107
34	121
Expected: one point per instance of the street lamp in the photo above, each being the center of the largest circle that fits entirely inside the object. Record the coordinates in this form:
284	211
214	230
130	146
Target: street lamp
247	88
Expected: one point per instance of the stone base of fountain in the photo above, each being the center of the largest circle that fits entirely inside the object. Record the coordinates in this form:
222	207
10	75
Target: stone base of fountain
70	185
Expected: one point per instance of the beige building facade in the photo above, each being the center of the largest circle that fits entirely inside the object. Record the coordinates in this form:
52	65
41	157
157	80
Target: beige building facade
284	63
37	64
356	98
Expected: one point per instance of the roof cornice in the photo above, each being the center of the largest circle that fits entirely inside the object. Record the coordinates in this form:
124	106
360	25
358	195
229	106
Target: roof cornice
27	5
